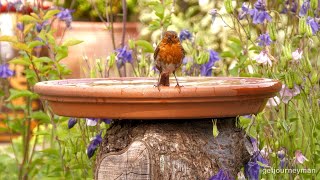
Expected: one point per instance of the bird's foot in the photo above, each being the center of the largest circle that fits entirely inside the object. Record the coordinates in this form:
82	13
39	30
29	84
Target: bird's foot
157	86
179	87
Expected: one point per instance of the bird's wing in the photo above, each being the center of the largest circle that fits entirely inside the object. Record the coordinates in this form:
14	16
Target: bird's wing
155	56
156	51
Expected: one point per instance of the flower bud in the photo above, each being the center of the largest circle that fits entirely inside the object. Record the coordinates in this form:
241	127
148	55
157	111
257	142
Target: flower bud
287	51
272	31
307	65
314	4
276	144
131	44
302	26
306	90
228	6
72	122
279	126
314	78
297	79
111	60
309	31
289	80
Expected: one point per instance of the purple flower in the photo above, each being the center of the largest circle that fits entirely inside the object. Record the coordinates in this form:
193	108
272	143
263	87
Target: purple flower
5	72
245	11
184	35
124	55
293	7
299	157
259	16
206	69
283	160
313	24
213	13
107	121
20	26
94	145
18	5
72	122
221	175
287	94
264	40
40	26
66	16
304	8
252	168
260	5
258	13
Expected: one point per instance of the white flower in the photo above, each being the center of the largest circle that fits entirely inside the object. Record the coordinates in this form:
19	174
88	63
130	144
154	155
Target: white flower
263	58
274	101
287	94
91	122
297	54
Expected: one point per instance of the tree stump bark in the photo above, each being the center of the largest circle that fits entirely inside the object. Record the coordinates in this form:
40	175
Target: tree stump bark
170	149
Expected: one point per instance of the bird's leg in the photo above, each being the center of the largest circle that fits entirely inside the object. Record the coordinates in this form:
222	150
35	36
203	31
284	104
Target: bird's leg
158	83
178	85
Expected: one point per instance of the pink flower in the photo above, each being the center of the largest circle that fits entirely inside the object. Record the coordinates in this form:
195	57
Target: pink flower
297	54
263	58
287	94
300	158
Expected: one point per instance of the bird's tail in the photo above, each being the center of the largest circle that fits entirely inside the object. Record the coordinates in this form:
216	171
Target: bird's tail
164	80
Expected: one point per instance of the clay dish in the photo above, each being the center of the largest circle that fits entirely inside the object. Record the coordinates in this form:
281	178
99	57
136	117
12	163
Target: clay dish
137	98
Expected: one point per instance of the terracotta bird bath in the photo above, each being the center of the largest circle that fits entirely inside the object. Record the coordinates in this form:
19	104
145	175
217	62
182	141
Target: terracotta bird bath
164	134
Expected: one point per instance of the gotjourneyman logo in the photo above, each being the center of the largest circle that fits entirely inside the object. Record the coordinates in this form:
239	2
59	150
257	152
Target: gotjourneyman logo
288	171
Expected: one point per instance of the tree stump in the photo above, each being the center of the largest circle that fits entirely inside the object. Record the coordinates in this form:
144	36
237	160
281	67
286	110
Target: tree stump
171	149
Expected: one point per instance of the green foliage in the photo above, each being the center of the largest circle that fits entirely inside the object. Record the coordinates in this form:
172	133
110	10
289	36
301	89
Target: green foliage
48	162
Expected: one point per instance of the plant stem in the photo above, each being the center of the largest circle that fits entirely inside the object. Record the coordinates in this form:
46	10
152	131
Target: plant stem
23	174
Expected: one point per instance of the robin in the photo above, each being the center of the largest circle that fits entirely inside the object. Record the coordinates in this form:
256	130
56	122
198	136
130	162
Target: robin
168	57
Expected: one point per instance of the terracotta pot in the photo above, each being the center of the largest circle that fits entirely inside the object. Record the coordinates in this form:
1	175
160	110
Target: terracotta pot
96	43
137	98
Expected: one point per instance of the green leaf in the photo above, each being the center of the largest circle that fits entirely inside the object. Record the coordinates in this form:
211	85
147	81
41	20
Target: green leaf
293	119
227	54
42	60
234	71
14	94
146	46
27	28
154	25
159	10
21	46
35	16
33	44
21	61
71	42
27	18
42	35
12	39
50	14
62	52
40	116
1	93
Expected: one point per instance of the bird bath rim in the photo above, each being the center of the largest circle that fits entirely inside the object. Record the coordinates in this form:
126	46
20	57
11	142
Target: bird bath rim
137	98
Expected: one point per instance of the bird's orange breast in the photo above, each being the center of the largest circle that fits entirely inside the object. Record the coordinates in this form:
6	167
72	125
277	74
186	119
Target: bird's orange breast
171	53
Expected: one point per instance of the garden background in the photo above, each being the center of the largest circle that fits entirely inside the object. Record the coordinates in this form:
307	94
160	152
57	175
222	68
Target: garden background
46	41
